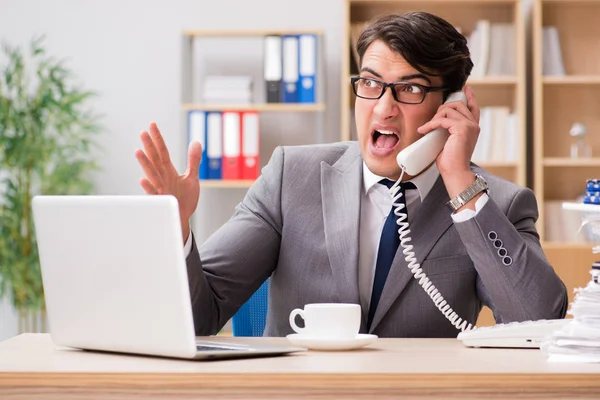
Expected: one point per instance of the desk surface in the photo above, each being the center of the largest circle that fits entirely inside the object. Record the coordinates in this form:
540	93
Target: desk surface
31	363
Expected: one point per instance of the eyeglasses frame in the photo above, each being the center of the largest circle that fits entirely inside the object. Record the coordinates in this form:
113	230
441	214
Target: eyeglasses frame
392	85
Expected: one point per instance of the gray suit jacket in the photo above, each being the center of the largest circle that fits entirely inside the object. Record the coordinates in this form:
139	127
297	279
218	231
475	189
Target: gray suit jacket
299	225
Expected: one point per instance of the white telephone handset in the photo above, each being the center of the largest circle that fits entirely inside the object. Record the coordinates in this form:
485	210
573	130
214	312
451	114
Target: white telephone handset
416	157
413	160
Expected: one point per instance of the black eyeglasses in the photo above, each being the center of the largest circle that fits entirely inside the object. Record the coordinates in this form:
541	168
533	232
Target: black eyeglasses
403	92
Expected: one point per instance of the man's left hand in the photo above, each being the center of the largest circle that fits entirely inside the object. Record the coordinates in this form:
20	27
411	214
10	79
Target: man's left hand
462	122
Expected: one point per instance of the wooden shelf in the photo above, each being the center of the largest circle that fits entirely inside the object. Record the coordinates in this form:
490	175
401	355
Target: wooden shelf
567	246
493	80
224	184
571	162
262	107
482	81
570	2
248	32
483	2
572	80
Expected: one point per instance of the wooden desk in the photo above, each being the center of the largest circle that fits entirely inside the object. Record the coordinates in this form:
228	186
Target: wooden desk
32	367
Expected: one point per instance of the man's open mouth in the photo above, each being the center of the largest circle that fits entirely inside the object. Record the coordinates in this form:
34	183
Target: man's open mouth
384	139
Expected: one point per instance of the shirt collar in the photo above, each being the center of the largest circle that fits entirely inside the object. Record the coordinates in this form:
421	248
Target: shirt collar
424	181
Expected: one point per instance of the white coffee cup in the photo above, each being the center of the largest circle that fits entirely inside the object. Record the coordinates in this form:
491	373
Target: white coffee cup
328	320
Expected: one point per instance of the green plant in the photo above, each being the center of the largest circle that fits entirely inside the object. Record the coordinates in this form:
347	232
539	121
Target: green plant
46	147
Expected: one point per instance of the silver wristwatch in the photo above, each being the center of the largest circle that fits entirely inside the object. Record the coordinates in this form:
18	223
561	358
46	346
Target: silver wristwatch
480	185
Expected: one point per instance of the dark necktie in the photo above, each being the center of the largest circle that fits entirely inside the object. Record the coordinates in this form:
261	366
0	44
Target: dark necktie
388	245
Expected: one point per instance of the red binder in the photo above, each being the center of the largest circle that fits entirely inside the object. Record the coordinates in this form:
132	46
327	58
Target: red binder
231	146
250	145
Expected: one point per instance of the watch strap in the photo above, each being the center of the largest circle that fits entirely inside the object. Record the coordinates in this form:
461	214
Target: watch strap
478	186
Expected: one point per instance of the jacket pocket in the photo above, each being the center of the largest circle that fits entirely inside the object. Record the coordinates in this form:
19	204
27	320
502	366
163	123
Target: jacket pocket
448	265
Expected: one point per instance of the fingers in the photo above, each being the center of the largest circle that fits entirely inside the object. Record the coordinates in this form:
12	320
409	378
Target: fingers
147	186
446	123
150	149
472	103
194	159
458	106
148	167
159	144
456	111
447	113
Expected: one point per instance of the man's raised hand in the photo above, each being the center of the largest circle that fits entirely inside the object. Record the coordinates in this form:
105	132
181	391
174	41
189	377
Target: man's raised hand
162	177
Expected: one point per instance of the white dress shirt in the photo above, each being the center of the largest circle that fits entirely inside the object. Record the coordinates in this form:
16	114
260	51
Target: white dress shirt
376	203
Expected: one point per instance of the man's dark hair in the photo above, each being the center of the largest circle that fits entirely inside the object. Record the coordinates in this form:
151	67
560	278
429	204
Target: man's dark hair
427	42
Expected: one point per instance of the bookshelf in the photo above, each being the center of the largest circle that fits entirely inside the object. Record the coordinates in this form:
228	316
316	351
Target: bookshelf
491	90
226	184
496	90
559	101
190	84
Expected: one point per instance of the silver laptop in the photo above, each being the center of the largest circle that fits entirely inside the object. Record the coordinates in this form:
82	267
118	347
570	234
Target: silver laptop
115	278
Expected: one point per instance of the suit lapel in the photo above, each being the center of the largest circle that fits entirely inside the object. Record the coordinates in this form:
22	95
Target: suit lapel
429	224
341	191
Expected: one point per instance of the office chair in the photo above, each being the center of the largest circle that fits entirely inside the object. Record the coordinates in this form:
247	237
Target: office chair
251	318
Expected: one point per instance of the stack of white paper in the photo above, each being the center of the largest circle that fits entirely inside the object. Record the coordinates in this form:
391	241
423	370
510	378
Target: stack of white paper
579	341
227	89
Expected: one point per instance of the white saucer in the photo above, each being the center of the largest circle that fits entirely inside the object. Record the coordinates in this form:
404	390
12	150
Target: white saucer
360	340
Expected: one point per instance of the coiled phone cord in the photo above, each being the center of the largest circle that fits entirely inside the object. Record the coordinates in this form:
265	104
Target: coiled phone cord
415	267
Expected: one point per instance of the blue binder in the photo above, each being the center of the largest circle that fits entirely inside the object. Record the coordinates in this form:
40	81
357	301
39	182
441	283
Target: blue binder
214	145
307	68
289	82
197	132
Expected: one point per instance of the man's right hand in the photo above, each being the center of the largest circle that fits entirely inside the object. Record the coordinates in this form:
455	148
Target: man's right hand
162	177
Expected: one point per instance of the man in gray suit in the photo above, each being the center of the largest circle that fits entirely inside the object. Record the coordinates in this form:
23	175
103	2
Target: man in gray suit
315	220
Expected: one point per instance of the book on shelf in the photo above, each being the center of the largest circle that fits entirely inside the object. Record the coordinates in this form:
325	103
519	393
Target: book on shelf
499	136
493	49
552	61
492	46
479	46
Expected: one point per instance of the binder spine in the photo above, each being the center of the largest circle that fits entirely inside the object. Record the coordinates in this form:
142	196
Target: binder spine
215	144
231	167
250	145
273	68
307	68
197	132
290	69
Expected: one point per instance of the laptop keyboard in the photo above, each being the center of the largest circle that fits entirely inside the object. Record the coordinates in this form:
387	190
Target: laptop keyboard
213	348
